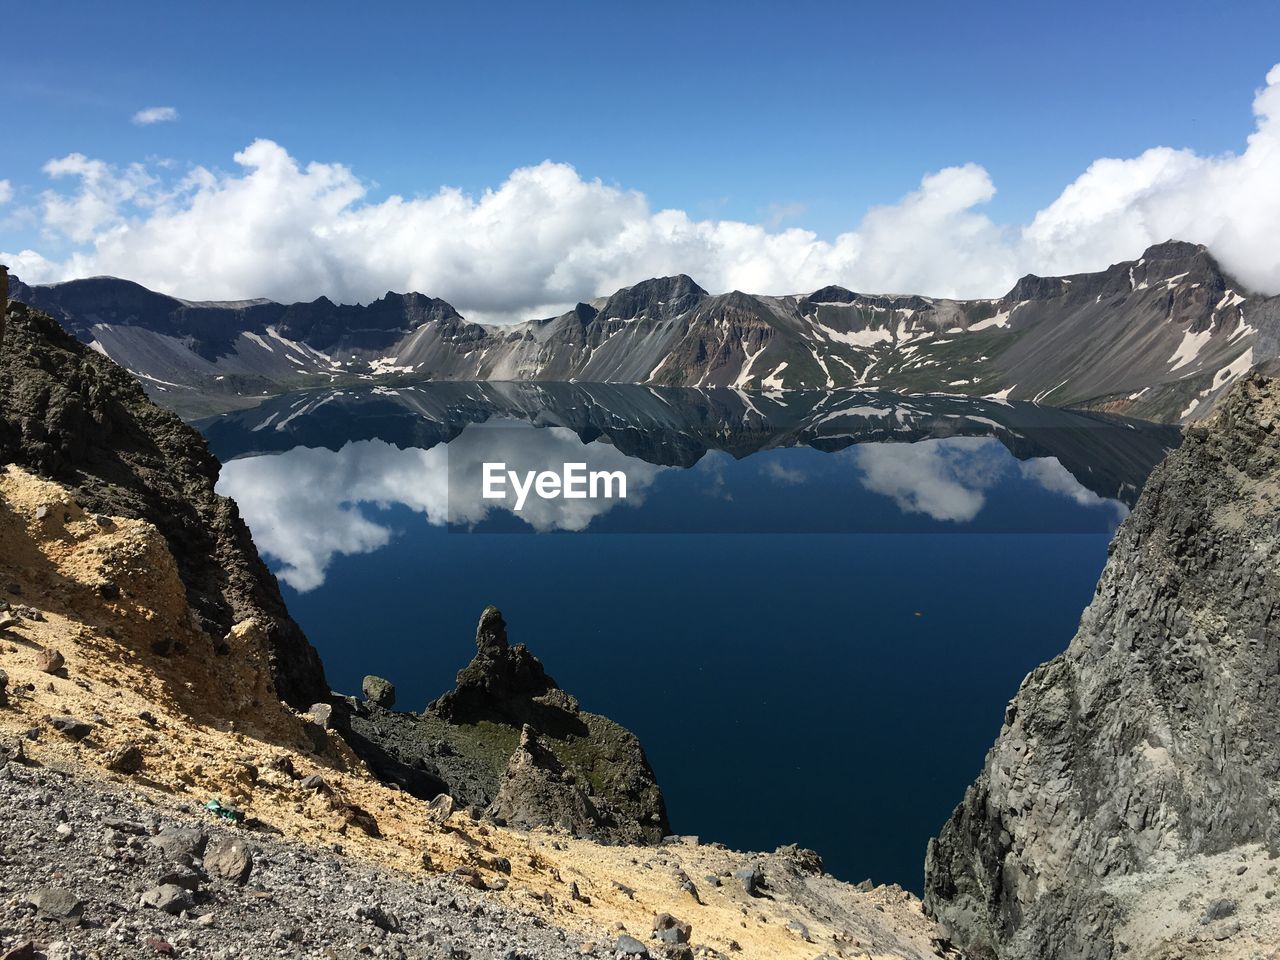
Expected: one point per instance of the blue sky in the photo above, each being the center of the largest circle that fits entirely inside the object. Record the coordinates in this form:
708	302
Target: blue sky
798	114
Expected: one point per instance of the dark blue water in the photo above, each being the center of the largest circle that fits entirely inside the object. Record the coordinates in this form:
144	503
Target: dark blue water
834	689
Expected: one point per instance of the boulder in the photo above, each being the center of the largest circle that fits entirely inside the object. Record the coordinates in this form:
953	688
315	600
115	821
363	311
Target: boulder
57	903
229	858
168	898
668	929
71	727
378	691
49	661
126	759
180	843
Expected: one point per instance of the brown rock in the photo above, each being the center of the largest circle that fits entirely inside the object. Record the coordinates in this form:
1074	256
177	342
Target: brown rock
126	759
49	661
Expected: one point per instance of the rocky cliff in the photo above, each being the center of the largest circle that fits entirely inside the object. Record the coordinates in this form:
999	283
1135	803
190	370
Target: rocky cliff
1147	754
1160	337
72	415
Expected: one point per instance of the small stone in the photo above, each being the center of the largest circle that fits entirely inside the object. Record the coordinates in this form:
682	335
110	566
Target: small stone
629	946
49	661
126	759
373	913
800	930
750	877
669	929
71	727
230	859
65	832
1218	910
184	877
317	783
168	898
441	808
26	950
179	843
61	950
321	714
162	947
57	903
379	691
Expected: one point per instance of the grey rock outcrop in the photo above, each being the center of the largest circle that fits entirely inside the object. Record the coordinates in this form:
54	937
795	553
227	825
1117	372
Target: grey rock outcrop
535	790
1156	736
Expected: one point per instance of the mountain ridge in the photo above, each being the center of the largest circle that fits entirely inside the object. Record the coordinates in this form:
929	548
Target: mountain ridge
1160	338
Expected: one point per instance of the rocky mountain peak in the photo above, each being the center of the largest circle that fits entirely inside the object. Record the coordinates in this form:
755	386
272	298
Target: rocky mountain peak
1174	250
660	296
832	294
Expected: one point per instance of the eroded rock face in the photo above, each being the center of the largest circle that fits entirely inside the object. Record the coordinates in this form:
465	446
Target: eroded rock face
536	790
1156	735
71	415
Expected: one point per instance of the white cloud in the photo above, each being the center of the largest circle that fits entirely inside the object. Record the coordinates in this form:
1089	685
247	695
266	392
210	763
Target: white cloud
144	118
546	237
6	191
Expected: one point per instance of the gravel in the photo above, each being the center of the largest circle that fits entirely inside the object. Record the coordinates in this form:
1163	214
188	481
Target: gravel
298	901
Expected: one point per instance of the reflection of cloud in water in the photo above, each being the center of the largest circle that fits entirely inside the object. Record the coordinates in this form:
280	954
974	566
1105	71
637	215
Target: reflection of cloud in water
944	479
786	476
1054	477
948	479
304	505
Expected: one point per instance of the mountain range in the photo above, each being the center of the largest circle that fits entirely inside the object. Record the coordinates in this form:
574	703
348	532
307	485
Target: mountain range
1161	338
676	426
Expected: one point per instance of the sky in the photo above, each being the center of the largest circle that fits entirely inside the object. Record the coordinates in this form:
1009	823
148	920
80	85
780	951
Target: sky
514	158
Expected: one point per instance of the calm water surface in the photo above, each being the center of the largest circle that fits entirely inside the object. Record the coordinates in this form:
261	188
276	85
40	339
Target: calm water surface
811	608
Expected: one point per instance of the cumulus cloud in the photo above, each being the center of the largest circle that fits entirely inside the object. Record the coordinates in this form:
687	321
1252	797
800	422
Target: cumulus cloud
6	191
546	237
144	118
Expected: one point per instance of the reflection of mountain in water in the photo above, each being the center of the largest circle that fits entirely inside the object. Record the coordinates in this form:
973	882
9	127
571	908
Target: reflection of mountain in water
1110	456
